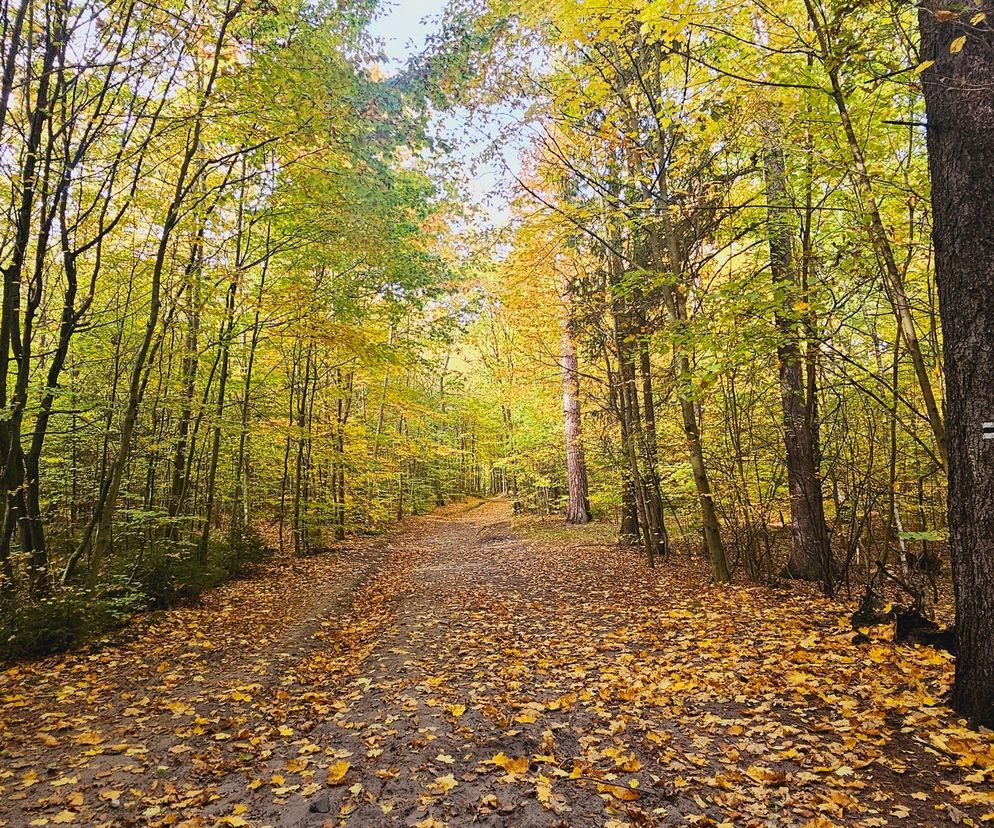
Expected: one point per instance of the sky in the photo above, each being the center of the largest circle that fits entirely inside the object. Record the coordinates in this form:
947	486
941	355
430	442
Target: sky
402	27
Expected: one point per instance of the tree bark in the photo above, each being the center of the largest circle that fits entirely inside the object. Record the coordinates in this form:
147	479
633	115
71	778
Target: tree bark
677	311
959	97
578	507
811	556
188	373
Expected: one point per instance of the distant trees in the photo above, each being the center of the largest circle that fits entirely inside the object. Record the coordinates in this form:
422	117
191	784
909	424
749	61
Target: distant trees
756	326
213	217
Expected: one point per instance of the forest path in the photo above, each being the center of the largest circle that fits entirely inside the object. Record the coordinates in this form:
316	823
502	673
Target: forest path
481	669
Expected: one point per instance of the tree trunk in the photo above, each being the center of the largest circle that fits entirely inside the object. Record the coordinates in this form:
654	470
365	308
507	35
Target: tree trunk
240	495
188	373
227	328
959	97
811	557
677	312
578	507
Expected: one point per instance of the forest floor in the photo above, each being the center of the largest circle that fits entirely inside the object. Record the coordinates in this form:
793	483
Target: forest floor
472	668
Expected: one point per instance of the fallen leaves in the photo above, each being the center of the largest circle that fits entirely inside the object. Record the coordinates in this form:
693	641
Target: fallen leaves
443	784
514	765
336	773
110	794
619	792
564	681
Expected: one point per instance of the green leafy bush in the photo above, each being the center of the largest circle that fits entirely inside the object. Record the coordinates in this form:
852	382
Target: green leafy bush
160	578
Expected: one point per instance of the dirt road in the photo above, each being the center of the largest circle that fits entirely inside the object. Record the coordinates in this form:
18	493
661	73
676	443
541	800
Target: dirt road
474	669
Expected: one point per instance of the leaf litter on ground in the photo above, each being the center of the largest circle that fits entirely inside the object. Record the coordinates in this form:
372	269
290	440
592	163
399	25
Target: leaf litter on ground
479	669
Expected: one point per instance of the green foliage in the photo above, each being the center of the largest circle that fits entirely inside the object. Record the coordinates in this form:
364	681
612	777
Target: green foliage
161	578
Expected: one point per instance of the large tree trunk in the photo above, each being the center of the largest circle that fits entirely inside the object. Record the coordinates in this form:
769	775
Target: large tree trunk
811	557
959	95
578	508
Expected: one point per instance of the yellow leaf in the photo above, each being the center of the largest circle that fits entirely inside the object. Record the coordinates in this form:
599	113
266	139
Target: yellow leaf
110	794
517	765
233	821
945	15
286	731
444	784
957	45
978	18
628	764
457	709
925	64
179	708
619	792
336	773
90	737
761	775
64	817
444	757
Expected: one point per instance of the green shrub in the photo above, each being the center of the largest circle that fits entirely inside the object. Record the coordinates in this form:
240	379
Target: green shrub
53	624
161	578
